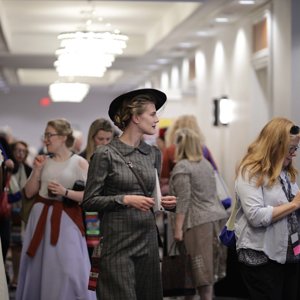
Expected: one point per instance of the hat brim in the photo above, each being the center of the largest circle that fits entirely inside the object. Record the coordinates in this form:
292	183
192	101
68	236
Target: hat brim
160	99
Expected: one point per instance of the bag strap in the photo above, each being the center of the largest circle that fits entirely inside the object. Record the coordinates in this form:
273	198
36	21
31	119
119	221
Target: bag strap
141	183
231	220
221	180
131	167
7	182
177	247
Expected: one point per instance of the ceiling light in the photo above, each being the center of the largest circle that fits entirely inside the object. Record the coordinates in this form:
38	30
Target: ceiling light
88	53
185	45
203	33
162	61
247	2
221	20
68	91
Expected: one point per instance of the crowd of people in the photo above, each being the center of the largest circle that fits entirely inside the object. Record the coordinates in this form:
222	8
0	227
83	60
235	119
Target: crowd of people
108	191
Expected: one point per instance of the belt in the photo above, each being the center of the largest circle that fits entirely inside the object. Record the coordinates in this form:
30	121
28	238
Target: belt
74	212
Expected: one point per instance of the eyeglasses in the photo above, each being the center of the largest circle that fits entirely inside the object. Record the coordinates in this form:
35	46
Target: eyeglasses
295	130
293	149
48	135
24	151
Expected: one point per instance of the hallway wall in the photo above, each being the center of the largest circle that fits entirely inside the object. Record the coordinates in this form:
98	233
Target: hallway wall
224	67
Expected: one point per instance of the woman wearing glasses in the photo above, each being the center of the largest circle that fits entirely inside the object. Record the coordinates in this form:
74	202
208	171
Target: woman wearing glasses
54	260
18	179
267	224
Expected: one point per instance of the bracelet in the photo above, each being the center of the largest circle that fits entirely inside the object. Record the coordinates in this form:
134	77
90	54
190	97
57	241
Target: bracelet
66	193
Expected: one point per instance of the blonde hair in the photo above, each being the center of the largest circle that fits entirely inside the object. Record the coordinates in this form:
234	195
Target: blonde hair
98	124
188	145
265	156
130	107
63	127
184	121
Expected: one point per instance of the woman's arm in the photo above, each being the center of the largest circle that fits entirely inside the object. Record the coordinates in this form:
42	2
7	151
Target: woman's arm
178	231
32	185
257	212
283	210
181	188
180	184
59	190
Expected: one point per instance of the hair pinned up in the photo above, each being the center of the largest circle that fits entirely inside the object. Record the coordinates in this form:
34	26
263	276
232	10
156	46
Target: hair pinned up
294	130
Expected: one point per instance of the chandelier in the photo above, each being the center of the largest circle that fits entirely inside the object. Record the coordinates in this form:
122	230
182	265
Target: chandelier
84	53
88	53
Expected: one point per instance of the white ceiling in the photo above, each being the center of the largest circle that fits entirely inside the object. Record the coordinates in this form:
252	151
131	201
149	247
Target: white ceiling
156	29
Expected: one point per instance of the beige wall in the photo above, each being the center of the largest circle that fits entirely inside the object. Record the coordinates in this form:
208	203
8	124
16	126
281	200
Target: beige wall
224	66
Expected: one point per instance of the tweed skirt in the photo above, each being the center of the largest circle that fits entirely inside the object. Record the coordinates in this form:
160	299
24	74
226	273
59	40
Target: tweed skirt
208	256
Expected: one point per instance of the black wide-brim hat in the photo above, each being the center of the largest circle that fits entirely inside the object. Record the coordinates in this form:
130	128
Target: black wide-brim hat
160	99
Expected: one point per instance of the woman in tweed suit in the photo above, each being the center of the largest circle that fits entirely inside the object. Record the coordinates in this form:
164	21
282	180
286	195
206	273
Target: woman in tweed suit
129	262
199	214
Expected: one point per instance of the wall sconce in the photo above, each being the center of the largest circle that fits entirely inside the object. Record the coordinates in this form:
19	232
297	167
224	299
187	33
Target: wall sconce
223	111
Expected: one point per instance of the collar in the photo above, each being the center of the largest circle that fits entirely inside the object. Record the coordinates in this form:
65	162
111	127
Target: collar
125	149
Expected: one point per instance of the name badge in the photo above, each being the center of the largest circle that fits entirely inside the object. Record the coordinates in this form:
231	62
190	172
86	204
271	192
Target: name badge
295	243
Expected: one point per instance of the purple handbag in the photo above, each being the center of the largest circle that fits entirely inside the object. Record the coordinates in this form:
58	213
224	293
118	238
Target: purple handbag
227	237
227	234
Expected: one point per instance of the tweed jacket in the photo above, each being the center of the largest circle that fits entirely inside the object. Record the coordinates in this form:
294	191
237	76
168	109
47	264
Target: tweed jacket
195	187
129	261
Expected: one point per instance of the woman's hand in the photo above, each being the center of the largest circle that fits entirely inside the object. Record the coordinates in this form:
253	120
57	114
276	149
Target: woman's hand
178	235
285	209
39	162
296	200
56	188
139	202
9	164
168	202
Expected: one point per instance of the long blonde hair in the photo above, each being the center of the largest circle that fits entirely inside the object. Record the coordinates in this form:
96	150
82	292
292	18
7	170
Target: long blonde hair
184	121
188	145
265	156
98	124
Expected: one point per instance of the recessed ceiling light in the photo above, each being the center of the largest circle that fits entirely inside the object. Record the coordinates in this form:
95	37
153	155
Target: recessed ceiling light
247	2
152	67
185	45
221	20
163	61
204	33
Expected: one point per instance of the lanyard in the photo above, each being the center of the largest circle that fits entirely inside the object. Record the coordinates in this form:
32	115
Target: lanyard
288	191
293	226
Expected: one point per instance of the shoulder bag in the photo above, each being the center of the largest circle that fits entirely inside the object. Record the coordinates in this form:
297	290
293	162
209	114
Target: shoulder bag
176	273
227	235
5	206
222	191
